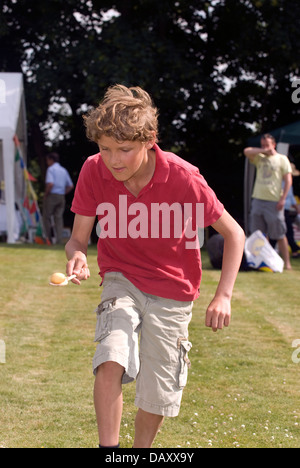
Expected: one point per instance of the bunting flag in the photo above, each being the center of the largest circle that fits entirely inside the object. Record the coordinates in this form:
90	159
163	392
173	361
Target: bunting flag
26	203
30	177
17	155
29	207
16	141
33	208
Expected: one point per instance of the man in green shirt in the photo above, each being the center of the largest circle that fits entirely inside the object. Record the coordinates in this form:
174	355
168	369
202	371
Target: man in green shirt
273	171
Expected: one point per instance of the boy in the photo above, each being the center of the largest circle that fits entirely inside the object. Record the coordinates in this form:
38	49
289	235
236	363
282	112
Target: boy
151	269
267	212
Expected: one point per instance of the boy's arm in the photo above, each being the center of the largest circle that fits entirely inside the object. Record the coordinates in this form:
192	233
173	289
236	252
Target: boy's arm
219	311
76	248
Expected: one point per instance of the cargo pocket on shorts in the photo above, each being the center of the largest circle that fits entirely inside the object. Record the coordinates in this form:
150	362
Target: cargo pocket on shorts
104	319
184	347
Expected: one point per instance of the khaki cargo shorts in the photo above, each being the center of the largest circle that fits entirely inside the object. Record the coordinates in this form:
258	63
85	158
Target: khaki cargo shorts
148	336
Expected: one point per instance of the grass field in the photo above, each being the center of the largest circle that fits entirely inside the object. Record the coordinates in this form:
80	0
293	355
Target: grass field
243	388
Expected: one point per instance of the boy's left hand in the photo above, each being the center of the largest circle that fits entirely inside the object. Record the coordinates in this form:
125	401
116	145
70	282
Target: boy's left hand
218	313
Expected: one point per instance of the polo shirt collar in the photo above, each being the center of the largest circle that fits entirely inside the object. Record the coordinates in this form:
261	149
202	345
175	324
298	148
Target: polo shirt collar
162	168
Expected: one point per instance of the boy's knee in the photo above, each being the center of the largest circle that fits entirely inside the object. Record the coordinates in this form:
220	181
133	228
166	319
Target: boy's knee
109	371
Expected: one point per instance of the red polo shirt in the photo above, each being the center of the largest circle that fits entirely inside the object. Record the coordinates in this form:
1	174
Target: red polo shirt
146	237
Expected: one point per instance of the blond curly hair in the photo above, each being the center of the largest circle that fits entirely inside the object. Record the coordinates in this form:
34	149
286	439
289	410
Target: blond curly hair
123	114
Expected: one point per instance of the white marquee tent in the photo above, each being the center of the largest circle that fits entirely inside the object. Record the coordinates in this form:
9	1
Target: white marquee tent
12	122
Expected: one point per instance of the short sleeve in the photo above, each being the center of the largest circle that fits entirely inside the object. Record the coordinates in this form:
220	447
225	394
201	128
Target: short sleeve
200	192
49	176
84	202
256	159
69	181
286	166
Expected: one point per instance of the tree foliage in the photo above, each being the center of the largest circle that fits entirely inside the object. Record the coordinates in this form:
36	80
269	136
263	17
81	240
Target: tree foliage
216	69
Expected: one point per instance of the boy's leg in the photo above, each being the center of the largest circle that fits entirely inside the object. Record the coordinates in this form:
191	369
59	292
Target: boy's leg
146	428
164	361
108	401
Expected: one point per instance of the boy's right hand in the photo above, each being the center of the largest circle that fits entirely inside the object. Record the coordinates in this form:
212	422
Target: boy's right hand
78	266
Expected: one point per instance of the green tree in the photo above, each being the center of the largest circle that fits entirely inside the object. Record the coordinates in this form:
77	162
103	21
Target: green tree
217	70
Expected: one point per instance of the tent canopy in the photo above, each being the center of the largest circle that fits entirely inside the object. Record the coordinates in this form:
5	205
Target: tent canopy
288	134
285	137
12	122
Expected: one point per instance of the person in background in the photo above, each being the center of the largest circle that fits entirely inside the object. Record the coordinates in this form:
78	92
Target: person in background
273	171
291	210
58	184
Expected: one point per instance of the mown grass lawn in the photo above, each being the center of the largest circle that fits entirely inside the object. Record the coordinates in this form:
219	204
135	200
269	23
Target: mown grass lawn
243	388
